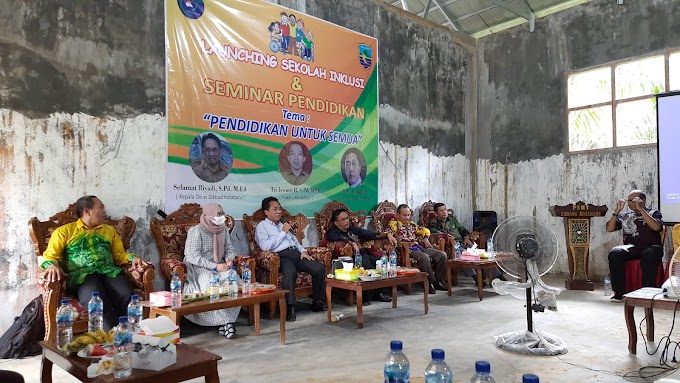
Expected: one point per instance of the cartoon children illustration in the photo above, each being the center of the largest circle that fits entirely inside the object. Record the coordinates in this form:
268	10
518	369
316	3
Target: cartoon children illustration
292	23
285	32
300	34
275	35
309	46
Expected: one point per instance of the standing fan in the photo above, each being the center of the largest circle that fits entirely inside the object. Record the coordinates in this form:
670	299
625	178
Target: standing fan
526	248
671	288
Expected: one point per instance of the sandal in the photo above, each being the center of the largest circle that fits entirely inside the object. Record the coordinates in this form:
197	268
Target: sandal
228	331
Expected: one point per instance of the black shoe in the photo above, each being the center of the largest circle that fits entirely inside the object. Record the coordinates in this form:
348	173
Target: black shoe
382	297
439	285
432	290
317	306
366	302
290	314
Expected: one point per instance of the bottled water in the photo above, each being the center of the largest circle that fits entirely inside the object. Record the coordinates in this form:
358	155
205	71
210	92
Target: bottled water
214	285
458	251
134	313
358	261
384	265
393	264
438	371
489	245
529	378
607	285
64	324
175	291
95	312
396	365
232	280
122	342
483	373
246	276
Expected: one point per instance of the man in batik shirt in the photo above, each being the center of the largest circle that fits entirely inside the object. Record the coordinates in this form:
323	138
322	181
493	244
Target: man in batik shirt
90	254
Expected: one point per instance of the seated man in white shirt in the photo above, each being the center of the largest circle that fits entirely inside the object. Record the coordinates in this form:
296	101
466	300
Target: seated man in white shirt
274	235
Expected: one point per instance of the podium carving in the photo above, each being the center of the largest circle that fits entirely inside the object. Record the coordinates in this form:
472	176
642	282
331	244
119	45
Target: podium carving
577	231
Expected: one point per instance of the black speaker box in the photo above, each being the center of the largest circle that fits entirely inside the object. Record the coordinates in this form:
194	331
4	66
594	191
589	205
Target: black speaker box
484	221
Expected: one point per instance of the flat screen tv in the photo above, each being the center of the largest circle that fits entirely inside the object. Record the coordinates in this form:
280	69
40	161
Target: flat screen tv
668	145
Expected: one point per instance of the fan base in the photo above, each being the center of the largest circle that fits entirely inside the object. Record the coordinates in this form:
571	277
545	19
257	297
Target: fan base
531	343
579	284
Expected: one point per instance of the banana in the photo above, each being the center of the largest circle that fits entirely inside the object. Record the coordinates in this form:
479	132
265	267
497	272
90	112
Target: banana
84	340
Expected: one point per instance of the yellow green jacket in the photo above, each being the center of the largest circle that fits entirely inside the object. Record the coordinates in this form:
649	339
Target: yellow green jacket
81	251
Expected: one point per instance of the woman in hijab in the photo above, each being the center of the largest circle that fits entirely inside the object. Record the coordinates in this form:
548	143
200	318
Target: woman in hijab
209	247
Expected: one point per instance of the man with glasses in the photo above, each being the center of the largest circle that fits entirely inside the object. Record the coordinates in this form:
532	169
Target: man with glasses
209	166
642	228
344	231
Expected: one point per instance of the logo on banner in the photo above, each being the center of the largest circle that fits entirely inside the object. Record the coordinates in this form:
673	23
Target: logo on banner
192	9
365	56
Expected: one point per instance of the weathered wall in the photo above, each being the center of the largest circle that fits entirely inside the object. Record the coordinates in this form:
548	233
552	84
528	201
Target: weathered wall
82	101
522	114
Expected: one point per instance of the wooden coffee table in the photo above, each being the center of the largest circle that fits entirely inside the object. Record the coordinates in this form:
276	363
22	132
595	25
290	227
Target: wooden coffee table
453	265
252	301
359	287
649	298
191	363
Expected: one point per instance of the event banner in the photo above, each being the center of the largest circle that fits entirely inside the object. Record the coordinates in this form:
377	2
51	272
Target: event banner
266	101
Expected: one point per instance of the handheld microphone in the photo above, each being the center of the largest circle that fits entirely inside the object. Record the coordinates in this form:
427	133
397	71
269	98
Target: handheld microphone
162	214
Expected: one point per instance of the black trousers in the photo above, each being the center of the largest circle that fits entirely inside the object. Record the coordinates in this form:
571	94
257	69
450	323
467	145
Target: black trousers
114	292
291	263
649	262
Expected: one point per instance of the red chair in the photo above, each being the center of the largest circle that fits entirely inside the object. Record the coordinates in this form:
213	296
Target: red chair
634	272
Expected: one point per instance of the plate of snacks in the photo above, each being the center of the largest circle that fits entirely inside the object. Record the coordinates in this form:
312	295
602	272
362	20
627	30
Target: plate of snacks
95	351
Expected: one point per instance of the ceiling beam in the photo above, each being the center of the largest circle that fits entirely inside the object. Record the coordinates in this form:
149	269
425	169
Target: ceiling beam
449	18
519	7
404	5
427	9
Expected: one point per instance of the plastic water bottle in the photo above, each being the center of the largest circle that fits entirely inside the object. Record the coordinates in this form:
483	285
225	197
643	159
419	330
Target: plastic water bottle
122	342
358	261
438	371
134	313
64	324
95	312
393	264
384	266
246	276
483	373
489	245
458	250
232	280
175	291
529	378
396	365
214	285
607	285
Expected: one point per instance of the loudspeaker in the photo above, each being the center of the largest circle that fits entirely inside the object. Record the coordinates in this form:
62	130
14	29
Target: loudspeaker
484	221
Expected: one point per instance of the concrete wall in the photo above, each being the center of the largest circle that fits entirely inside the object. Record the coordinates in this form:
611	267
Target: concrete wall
522	165
82	111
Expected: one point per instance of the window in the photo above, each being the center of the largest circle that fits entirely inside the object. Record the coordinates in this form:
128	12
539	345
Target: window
614	106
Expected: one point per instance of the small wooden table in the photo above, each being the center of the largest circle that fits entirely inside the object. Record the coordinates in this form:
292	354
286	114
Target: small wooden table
649	298
191	363
453	265
253	301
359	287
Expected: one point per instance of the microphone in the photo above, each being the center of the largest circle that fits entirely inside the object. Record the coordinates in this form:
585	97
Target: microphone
162	214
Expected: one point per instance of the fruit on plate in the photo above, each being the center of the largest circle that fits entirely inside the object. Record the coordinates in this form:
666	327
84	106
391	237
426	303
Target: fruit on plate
96	350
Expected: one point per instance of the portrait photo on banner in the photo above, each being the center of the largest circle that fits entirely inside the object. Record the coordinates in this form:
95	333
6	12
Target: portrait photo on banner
211	157
295	163
353	167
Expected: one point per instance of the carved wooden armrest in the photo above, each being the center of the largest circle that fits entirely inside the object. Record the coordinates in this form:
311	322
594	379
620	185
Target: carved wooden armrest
141	277
321	254
240	261
267	267
170	266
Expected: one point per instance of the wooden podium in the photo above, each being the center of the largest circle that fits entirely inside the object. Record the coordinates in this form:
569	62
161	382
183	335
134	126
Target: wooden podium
577	230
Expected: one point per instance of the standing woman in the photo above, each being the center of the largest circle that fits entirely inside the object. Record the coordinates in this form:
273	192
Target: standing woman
208	247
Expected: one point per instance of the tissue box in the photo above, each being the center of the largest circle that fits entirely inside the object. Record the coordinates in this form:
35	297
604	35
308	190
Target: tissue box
160	298
469	256
344	275
172	336
153	358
